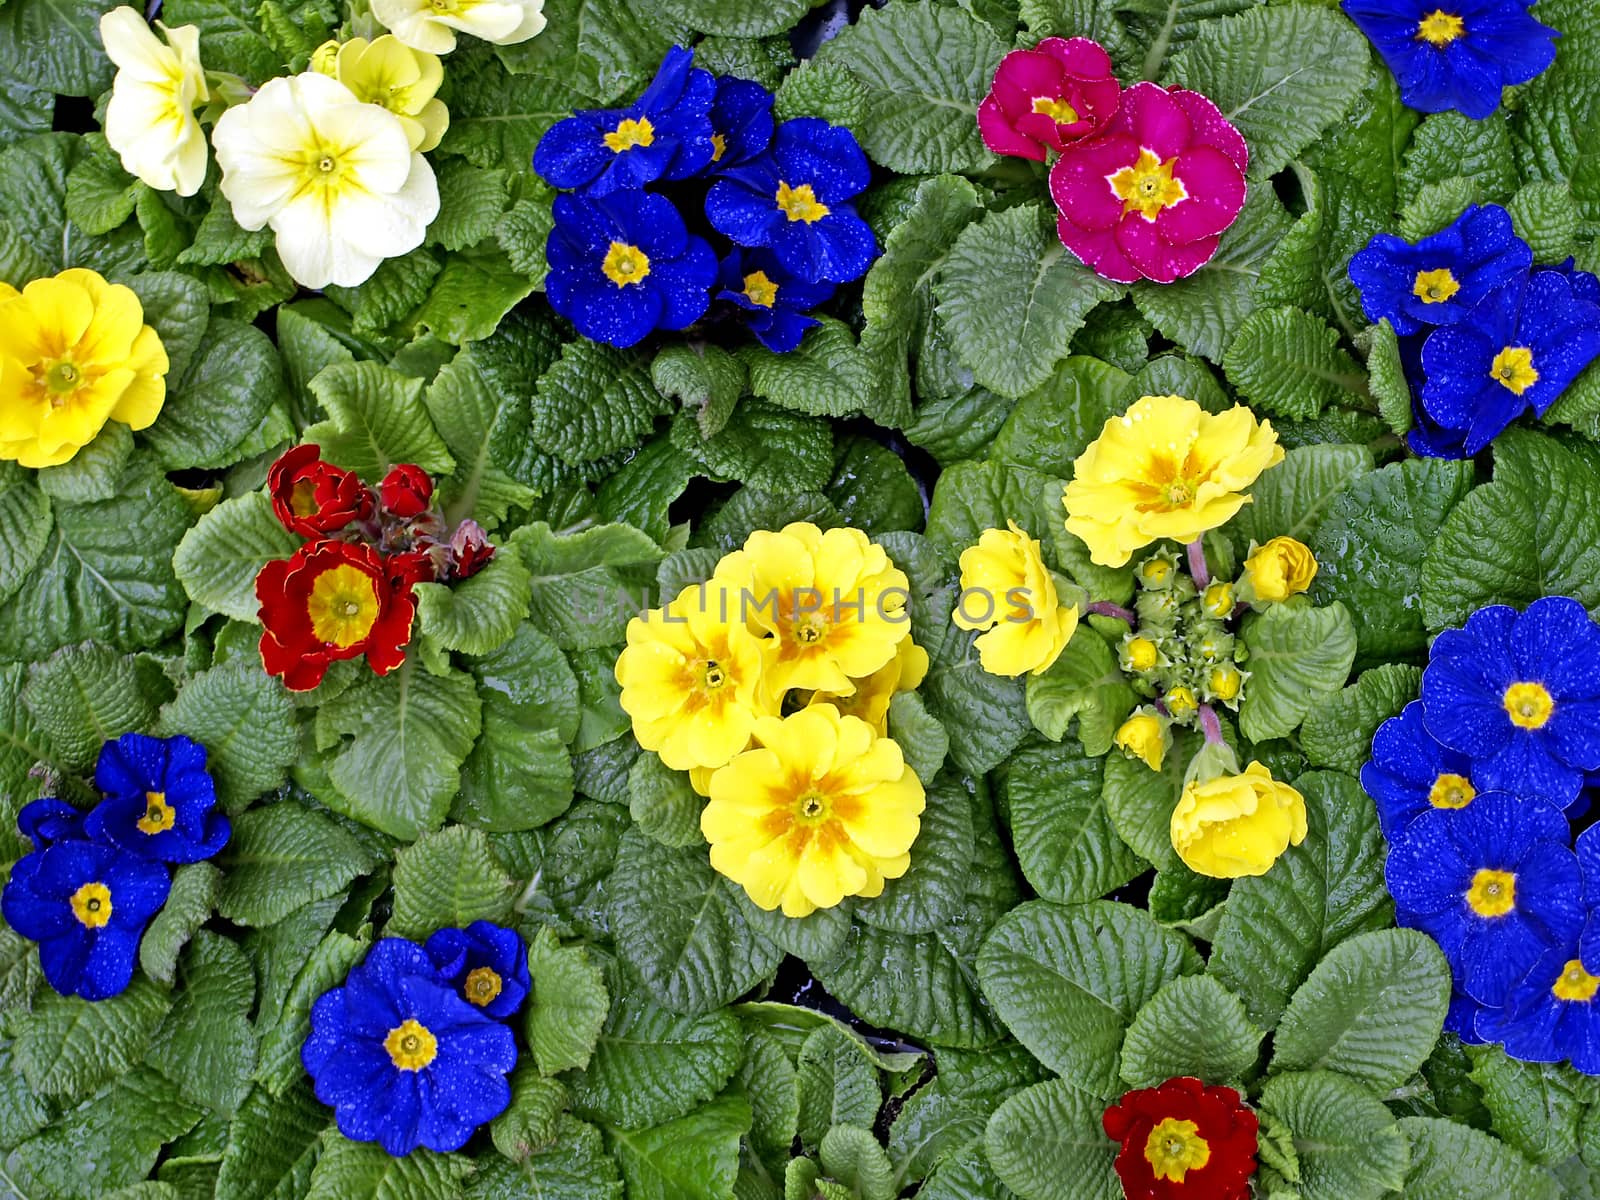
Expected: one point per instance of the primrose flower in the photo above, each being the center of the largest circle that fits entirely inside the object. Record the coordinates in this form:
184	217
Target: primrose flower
1551	1015
331	601
1145	735
1442	278
1012	594
335	178
150	120
741	123
86	904
47	821
1517	693
74	353
1411	772
311	497
775	303
1061	91
160	802
1183	1139
432	25
1455	53
406	491
1282	568
665	134
1150	197
625	266
486	963
1521	347
691	676
833	602
795	201
1165	469
392	75
822	808
1495	884
402	1059
870	700
1237	825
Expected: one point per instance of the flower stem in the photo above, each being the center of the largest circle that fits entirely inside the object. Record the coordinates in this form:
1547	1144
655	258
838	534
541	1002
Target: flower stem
1104	608
1197	564
1210	725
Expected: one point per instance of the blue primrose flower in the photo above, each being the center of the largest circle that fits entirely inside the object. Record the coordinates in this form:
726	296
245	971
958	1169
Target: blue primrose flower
794	201
665	134
1410	773
1461	1018
160	801
622	267
1551	1015
741	123
403	1060
775	303
1585	286
1455	53
1494	884
1520	348
49	820
86	904
1441	279
1519	693
485	963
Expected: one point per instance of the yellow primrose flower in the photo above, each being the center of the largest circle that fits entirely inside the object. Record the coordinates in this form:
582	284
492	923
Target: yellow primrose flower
150	119
1007	590
870	700
821	809
432	25
1145	735
74	353
391	75
834	602
1165	469
690	679
1237	824
1278	570
336	179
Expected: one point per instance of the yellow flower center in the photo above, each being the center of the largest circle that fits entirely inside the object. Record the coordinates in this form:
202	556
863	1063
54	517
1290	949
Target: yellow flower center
1178	493
411	1045
1142	654
719	147
91	904
1440	28
1147	186
760	290
343	606
1513	368
61	379
801	203
1576	984
713	675
442	6
1451	791
159	816
1492	893
812	806
1528	705
1174	1148
1058	111
482	985
303	499
810	630
1435	287
625	264
630	133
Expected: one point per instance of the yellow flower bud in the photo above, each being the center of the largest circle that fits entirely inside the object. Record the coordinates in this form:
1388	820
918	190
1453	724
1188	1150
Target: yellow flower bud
1237	825
1181	703
1140	654
1278	570
1223	681
1145	736
1217	599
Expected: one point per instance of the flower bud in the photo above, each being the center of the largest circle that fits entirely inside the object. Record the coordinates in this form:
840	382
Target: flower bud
470	550
1237	825
406	491
1145	735
1273	572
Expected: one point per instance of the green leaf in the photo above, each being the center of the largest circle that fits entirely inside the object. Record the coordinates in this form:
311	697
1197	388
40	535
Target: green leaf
1046	1143
92	473
1437	205
233	380
245	720
1450	145
365	1171
1291	499
470	203
919	733
575	1167
1288	362
652	1066
1347	1143
188	906
931	891
398	742
1192	1026
924	68
1536	1107
100	194
676	923
837	1083
25	524
532	1121
218	560
207	1046
466	409
477	614
1455	1162
1338	732
325	966
55	45
1280	75
706	379
68	1046
1055	422
762	446
827	375
1011	297
376	419
663	804
84	696
823	90
691	1157
273	1145
600	48
1531	532
471	296
1546	216
1064	839
395	290
1299	656
1372	1010
1140	801
1086	683
1067	980
282	856
448	879
594	401
586	586
1371	545
645	488
568	1005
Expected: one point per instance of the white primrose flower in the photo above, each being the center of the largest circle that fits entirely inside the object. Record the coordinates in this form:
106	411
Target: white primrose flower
150	120
432	25
335	178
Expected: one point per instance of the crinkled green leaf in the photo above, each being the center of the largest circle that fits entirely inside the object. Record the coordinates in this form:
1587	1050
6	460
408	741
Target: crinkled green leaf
1348	1144
1288	363
448	879
245	720
1338	732
1046	1143
1065	842
281	856
219	558
1192	1026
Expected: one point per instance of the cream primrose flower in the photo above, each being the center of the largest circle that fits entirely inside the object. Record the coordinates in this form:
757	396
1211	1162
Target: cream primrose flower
150	120
432	25
335	178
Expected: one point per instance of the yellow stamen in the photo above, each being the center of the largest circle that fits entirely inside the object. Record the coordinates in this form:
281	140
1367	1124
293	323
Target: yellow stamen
1440	28
1174	1148
801	203
630	133
1058	111
1435	287
1528	705
1576	984
91	904
159	816
625	264
1513	369
1451	791
760	290
1147	187
411	1045
343	606
719	147
1492	893
482	985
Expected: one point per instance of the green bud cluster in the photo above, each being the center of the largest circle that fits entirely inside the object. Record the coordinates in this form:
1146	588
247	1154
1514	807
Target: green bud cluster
1182	651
